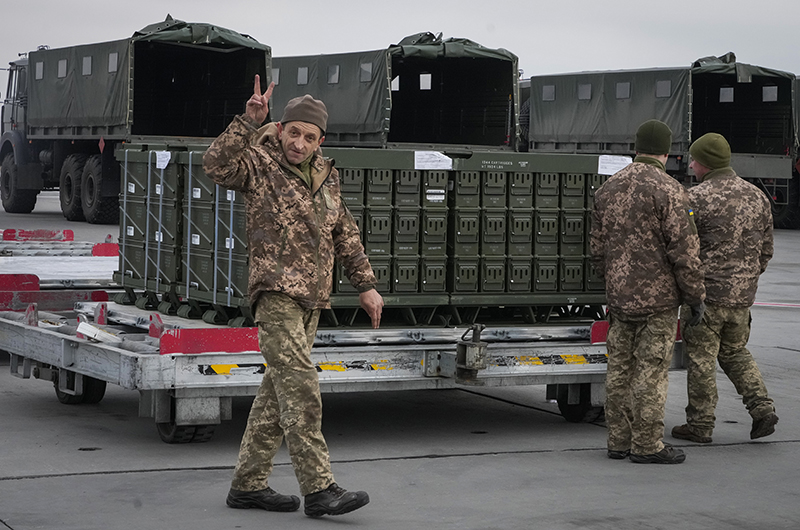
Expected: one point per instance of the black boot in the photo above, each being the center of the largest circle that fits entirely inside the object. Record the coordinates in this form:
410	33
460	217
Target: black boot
266	499
334	500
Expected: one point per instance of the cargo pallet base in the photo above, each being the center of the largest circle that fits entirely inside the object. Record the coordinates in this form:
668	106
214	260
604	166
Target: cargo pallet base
187	372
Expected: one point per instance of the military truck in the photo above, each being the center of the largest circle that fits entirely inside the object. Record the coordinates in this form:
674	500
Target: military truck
752	106
66	110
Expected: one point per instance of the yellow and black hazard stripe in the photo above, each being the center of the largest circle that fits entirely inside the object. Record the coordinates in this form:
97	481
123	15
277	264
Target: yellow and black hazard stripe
223	369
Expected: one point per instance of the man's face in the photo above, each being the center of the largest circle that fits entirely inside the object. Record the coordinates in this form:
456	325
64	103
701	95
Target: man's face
699	169
299	140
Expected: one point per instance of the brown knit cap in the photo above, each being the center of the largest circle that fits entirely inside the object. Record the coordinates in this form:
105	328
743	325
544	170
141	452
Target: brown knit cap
307	109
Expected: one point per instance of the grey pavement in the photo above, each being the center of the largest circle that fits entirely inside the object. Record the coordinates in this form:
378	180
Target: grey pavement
460	459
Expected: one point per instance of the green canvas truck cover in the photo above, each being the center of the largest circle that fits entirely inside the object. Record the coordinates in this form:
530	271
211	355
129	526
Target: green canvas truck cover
607	107
90	85
363	105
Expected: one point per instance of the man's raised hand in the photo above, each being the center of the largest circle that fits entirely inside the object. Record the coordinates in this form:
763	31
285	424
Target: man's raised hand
257	106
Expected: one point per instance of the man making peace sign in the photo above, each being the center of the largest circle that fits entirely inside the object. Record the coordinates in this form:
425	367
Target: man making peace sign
296	224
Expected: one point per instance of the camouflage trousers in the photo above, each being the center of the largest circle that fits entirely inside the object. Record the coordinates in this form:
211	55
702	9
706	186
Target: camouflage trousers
721	336
288	404
639	355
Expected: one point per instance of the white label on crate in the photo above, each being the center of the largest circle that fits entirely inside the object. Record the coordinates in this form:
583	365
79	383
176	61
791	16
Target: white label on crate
158	237
130	231
196	193
131	187
231	195
195	239
609	164
158	189
162	159
229	242
434	195
432	160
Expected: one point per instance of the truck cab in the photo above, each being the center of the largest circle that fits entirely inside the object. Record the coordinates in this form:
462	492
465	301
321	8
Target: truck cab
19	189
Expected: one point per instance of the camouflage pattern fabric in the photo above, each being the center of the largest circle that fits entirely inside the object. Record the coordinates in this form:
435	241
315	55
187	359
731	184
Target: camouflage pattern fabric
734	223
643	241
288	404
721	336
293	231
639	354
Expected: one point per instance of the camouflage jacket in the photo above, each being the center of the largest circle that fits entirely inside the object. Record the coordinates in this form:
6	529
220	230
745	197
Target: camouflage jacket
293	231
734	223
643	241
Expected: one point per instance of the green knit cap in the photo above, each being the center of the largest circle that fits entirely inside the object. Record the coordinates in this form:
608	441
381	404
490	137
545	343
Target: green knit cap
712	150
653	137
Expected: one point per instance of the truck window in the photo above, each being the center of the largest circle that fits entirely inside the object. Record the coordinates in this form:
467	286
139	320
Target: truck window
39	70
62	68
769	93
87	65
663	88
302	75
333	74
585	92
624	90
424	81
396	83
113	58
549	93
366	72
726	94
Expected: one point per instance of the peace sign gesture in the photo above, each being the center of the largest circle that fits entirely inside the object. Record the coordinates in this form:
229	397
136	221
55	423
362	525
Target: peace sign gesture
257	106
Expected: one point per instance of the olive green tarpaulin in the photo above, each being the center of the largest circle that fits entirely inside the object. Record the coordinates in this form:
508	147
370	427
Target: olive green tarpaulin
471	87
92	85
594	108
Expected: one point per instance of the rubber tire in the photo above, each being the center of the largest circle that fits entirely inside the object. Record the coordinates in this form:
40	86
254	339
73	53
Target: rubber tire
69	187
582	412
788	216
175	434
14	199
96	208
93	392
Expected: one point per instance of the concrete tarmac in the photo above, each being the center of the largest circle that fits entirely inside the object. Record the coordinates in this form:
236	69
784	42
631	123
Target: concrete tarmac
449	459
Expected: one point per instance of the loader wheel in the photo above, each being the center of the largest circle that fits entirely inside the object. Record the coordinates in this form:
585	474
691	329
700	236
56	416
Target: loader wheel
69	186
96	208
183	434
93	392
581	412
15	200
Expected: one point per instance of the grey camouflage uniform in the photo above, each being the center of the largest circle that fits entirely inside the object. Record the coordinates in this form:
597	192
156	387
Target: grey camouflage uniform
734	223
644	245
294	230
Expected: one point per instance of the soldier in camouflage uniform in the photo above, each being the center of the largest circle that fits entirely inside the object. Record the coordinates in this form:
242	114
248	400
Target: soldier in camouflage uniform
296	224
644	245
734	223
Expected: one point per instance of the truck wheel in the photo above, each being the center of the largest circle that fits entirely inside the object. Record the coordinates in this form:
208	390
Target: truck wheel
15	200
96	208
788	215
581	412
69	186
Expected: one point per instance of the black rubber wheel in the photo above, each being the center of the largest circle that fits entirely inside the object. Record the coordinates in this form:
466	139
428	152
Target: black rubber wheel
582	412
175	434
96	208
70	187
788	215
93	392
15	200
